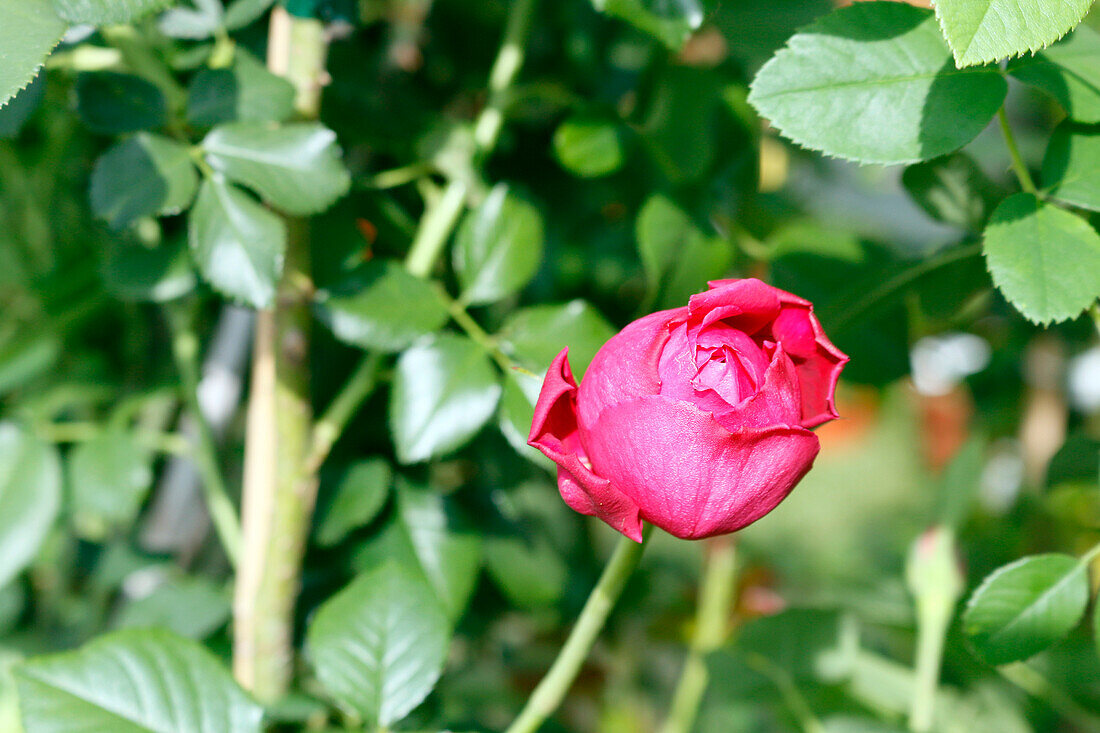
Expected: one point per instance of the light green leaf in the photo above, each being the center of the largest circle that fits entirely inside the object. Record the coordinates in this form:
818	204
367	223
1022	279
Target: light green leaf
134	681
237	243
29	32
360	495
517	410
672	23
30	496
194	24
296	167
109	478
141	176
874	82
498	247
678	258
379	645
1069	71
589	146
1044	259
107	12
245	92
111	103
241	13
132	271
1024	607
951	189
381	306
527	569
1071	167
193	607
444	391
981	31
535	335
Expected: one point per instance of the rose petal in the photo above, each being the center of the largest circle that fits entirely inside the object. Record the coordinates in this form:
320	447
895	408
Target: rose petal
747	305
626	366
777	403
819	362
554	432
690	476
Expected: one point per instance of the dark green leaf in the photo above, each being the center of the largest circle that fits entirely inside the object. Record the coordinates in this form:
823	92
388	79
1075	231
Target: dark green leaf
981	31
682	122
498	247
952	189
672	23
296	167
141	176
241	13
134	681
109	478
107	12
1071	168
30	496
444	391
589	146
535	335
360	495
193	607
382	306
1069	71
16	112
379	645
133	271
111	103
1044	259
1022	608
678	258
245	92
29	32
237	243
874	82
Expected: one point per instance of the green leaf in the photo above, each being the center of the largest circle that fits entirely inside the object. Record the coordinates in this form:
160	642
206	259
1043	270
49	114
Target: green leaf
246	91
874	82
19	109
952	189
29	32
193	607
109	478
517	410
1069	71
379	645
589	146
238	244
134	681
981	31
133	271
1044	259
678	258
360	495
381	306
106	12
444	391
296	167
194	24
1071	167
527	569
671	23
498	247
111	103
141	176
241	13
1024	607
30	496
535	335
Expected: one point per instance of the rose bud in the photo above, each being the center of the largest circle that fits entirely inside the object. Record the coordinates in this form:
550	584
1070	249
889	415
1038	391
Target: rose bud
696	419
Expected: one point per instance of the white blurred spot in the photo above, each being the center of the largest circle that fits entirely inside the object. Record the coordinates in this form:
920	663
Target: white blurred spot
1084	380
940	363
1002	477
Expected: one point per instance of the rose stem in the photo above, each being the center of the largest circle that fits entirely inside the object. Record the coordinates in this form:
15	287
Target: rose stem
549	693
716	594
1018	165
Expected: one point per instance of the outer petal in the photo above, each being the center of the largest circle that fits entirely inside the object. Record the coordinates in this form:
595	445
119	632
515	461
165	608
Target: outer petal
819	362
554	432
626	366
689	475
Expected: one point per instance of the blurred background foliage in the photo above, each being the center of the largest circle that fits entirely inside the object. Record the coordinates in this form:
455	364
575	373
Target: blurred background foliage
632	159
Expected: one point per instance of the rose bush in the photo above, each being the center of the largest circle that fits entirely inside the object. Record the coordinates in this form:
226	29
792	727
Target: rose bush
695	419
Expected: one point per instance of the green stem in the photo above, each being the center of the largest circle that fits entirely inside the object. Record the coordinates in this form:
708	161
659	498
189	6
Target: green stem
1094	313
711	626
81	432
1039	687
185	349
330	425
931	634
1018	166
474	330
509	60
551	690
787	688
440	219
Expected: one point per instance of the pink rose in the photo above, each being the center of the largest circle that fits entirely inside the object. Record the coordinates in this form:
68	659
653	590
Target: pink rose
695	419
